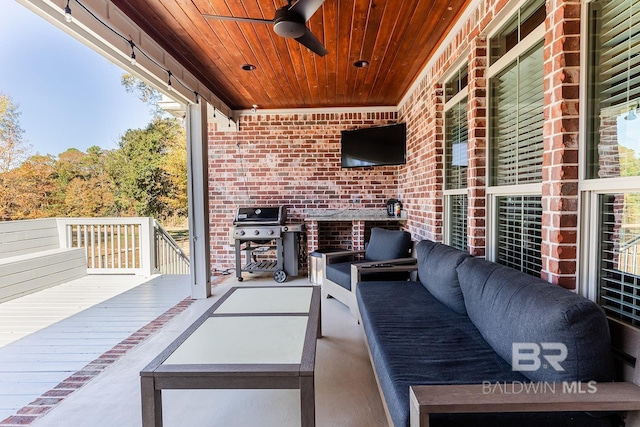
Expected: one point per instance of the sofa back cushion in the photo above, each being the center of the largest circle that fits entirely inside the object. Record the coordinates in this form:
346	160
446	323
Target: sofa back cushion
388	244
437	272
508	306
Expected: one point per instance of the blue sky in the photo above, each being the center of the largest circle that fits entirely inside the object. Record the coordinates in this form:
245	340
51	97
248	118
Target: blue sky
68	95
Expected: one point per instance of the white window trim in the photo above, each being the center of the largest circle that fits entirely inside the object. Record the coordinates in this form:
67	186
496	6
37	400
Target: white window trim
447	193
456	98
502	17
521	48
447	212
591	189
493	192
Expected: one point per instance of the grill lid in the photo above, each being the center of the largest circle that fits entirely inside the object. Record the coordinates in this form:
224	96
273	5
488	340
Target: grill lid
264	215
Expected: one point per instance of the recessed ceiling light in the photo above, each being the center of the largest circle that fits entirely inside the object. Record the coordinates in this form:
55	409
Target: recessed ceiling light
248	67
361	63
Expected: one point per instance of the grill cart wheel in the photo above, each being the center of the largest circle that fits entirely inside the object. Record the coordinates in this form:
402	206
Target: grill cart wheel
280	276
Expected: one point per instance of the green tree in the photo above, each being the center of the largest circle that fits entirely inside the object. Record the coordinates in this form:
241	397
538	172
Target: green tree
137	168
84	185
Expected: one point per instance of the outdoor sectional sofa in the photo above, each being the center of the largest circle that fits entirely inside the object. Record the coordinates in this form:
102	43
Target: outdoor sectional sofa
457	326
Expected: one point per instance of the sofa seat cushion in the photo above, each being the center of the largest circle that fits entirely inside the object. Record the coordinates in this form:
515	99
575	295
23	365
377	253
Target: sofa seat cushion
508	306
415	339
340	273
437	272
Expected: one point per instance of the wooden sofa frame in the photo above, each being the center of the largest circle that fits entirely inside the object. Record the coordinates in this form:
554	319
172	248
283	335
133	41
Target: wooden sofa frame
623	396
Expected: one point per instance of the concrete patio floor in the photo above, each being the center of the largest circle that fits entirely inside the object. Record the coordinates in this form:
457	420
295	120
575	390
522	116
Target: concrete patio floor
346	391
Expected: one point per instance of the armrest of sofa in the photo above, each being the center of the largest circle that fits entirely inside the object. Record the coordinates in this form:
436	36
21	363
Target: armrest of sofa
391	265
522	397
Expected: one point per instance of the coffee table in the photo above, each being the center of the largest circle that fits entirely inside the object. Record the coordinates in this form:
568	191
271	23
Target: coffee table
252	338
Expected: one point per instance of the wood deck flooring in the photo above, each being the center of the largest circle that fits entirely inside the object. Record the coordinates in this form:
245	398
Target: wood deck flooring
47	336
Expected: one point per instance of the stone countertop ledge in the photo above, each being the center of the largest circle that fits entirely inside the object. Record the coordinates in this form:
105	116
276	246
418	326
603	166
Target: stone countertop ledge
352	215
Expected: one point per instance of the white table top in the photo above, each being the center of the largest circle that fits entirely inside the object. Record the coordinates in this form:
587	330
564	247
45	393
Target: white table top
244	340
268	300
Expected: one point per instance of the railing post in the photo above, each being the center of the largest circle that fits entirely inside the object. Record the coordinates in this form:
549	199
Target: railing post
63	237
147	250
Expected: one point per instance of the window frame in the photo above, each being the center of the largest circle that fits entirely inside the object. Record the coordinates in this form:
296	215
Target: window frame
495	191
590	189
447	199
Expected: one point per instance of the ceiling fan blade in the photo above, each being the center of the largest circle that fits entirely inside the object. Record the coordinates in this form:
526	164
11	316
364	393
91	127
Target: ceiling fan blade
311	42
306	8
233	18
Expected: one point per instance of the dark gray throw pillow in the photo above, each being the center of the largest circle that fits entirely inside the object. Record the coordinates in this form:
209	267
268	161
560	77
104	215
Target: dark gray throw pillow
437	272
510	307
388	244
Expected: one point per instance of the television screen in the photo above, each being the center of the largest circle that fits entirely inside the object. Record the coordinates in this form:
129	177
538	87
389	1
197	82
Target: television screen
376	146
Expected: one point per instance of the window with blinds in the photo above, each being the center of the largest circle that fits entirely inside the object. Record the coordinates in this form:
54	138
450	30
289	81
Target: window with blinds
458	221
519	233
455	85
527	19
619	256
456	159
456	136
517	119
614	75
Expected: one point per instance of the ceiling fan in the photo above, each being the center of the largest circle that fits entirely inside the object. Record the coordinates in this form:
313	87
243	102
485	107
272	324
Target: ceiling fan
289	22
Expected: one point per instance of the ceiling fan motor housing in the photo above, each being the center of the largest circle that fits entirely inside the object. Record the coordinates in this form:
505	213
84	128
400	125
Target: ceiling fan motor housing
288	24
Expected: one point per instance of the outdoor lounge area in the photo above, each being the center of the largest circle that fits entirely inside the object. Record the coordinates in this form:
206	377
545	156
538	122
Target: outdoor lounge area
496	140
346	392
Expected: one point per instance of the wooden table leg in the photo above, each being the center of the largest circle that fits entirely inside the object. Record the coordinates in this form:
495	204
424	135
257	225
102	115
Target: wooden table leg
307	401
151	403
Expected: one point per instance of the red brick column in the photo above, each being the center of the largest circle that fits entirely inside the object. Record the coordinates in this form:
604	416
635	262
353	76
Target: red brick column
560	161
476	171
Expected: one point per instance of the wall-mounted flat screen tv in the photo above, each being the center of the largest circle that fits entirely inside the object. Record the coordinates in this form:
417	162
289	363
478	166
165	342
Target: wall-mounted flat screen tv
375	146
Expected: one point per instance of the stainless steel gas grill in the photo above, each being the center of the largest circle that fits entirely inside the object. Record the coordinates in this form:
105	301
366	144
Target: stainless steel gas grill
269	244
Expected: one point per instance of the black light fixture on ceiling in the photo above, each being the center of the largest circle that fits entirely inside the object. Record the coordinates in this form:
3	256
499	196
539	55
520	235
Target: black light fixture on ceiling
361	63
248	67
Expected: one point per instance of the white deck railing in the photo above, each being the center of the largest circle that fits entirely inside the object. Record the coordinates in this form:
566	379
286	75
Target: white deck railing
630	257
124	245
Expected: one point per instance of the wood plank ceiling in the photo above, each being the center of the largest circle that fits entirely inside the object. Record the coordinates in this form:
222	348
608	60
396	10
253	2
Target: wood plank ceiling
396	37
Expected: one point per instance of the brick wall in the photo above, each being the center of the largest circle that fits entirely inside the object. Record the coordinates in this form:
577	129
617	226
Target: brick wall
560	161
422	112
293	160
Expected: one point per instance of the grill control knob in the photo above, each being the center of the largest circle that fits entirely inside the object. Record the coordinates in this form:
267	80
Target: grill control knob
256	232
241	232
285	228
270	232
